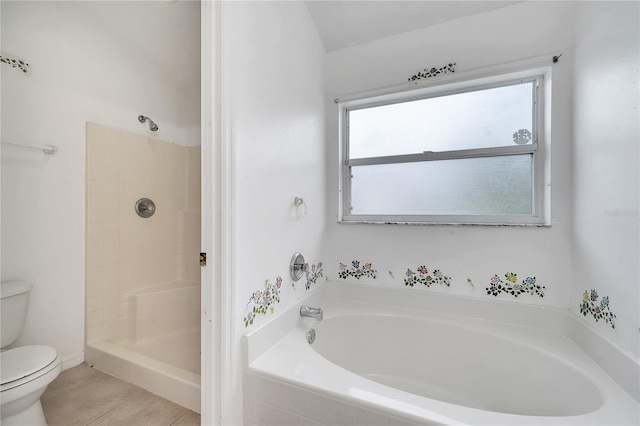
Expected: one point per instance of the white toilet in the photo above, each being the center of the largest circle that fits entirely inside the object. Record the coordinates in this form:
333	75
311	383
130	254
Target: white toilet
25	370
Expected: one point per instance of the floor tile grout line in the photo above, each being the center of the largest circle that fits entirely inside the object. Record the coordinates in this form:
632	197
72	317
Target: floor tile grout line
179	417
116	407
186	411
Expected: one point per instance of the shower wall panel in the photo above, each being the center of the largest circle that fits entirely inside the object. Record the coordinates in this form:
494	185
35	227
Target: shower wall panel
125	252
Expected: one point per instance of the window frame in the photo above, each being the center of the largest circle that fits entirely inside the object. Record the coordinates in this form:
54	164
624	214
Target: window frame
540	211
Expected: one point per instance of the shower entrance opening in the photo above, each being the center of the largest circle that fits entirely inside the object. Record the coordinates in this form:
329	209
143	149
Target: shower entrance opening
143	271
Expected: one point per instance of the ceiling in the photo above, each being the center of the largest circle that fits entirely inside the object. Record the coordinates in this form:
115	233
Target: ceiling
166	33
347	23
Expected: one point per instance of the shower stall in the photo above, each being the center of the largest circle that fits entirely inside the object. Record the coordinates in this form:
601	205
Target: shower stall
142	262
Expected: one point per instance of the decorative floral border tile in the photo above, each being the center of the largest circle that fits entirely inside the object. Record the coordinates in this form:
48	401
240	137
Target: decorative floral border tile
600	310
511	286
15	63
432	72
356	271
422	276
313	274
263	300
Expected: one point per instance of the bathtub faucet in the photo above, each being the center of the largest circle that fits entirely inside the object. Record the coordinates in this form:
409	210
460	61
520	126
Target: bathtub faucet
308	311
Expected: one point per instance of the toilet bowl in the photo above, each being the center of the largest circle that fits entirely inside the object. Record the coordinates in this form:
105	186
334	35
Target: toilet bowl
25	370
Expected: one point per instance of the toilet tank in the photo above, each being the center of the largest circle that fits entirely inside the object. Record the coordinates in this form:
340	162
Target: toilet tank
14	299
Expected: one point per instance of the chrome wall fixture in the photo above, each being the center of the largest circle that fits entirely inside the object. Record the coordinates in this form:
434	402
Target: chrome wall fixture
145	207
308	311
311	336
152	126
296	267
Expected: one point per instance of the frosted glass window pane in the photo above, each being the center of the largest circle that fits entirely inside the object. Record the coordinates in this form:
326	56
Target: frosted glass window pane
471	186
478	119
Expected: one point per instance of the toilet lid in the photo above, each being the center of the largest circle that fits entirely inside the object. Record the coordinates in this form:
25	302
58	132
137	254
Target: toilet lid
24	360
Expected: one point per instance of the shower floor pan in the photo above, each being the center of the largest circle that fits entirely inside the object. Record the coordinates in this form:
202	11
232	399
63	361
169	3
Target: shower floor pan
164	377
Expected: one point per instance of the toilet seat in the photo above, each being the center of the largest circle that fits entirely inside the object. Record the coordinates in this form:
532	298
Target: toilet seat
25	363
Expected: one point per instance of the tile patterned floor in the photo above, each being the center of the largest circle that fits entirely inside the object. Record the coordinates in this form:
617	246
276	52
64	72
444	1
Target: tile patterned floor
83	396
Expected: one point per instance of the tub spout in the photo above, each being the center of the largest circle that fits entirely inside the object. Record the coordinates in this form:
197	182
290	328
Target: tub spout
308	311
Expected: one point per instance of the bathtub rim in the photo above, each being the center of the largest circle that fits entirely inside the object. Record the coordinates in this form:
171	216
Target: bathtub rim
615	362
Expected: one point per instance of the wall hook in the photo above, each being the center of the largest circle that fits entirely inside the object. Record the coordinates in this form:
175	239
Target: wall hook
301	207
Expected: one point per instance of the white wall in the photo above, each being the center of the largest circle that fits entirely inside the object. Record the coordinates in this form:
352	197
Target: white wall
605	158
274	75
507	34
79	72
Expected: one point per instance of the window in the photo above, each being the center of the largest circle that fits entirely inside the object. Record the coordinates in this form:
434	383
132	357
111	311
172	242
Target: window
466	153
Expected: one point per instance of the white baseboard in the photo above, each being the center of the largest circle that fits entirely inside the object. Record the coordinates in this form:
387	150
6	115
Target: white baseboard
72	360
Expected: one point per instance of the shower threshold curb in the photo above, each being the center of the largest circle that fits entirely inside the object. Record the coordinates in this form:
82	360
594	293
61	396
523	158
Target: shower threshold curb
175	384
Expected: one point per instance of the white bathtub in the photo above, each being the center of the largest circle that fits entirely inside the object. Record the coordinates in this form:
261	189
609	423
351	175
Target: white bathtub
405	356
158	347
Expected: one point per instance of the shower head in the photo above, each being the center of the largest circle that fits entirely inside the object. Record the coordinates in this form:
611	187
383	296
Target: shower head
152	126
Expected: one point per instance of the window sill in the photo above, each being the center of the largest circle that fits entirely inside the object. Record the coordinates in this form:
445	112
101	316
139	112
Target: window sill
408	223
